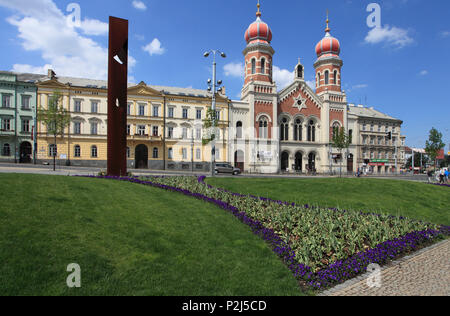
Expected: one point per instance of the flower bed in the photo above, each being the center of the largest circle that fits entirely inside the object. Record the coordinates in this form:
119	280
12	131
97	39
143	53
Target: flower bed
321	247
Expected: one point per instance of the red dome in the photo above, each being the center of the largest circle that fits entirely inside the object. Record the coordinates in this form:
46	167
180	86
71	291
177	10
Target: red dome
258	32
328	46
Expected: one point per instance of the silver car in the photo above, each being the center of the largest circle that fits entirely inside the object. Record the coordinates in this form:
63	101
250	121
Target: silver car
227	168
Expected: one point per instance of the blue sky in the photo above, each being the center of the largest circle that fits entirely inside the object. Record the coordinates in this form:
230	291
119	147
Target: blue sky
401	68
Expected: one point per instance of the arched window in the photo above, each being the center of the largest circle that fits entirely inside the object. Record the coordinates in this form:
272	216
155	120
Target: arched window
239	130
318	79
253	66
6	150
52	150
298	130
155	153
311	131
300	71
170	154
284	129
128	152
263	127
77	151
335	130
263	66
335	77
327	77
94	152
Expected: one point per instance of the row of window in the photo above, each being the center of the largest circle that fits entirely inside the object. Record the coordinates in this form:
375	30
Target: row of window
6	125
380	155
379	141
298	131
53	152
380	128
327	78
142	110
25	101
264	65
77	128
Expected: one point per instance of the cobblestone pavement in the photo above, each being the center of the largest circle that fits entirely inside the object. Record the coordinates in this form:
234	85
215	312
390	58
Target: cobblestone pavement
426	273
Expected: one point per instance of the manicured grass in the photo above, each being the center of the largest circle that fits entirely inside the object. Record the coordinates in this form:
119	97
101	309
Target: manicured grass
410	199
128	239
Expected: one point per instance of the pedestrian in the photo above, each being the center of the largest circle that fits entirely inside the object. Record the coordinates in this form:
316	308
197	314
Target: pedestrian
430	176
447	173
441	176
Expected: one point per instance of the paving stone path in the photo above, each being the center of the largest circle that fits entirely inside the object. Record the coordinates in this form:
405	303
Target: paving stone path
426	273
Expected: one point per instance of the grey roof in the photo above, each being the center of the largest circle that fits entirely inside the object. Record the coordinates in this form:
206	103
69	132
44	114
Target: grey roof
103	84
369	113
31	78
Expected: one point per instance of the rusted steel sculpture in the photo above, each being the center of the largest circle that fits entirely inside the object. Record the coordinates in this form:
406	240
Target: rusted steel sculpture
117	96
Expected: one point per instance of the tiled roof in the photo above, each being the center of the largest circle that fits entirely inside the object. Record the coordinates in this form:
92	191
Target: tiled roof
369	113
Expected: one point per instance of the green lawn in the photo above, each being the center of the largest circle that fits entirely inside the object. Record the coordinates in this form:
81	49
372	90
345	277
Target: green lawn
128	239
410	199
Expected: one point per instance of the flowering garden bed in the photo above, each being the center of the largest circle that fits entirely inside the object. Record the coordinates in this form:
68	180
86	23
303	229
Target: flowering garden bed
322	247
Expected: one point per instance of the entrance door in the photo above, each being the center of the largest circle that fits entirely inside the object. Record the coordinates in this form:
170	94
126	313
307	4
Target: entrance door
239	160
141	157
350	164
298	162
284	161
25	152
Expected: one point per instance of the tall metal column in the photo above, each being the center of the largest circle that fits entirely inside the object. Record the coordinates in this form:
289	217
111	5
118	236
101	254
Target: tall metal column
117	96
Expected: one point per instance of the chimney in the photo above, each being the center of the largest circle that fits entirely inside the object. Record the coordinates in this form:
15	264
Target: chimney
51	74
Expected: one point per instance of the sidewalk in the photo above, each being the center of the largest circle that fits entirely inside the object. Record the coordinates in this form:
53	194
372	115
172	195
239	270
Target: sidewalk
426	273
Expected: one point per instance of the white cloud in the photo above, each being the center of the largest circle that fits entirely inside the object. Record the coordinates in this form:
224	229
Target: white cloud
154	48
392	36
94	27
311	84
445	34
282	77
423	73
234	70
139	5
360	86
43	28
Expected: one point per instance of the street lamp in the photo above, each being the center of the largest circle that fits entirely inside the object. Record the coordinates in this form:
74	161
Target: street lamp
212	89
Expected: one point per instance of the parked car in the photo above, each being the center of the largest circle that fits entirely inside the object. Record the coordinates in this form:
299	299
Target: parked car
227	168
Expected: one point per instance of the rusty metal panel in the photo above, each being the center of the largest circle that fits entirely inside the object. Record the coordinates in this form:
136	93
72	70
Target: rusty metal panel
117	96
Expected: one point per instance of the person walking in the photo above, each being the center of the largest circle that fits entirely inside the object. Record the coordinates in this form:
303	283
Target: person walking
441	176
446	175
430	176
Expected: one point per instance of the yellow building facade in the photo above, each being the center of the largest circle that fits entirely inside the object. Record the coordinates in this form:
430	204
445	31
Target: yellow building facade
165	125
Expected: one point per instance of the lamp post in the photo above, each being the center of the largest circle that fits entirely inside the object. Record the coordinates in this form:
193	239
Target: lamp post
213	106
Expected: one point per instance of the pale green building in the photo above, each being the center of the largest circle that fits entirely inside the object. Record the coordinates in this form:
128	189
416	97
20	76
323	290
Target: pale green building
18	95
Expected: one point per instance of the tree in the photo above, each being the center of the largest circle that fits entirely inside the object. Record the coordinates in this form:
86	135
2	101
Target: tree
418	157
341	140
55	118
209	125
434	145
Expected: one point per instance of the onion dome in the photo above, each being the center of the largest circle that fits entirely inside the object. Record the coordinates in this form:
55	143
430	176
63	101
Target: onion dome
328	46
258	31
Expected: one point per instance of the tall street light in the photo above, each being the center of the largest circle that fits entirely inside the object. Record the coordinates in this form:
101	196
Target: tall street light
213	106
